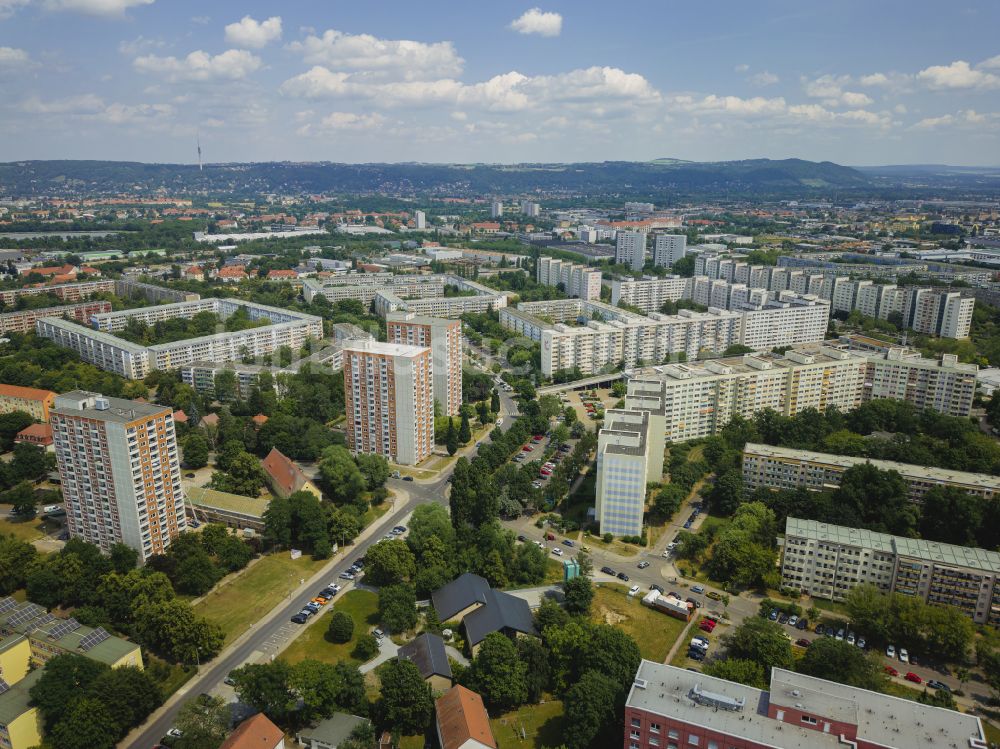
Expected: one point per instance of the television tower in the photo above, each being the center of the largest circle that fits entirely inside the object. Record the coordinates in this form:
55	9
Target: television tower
200	168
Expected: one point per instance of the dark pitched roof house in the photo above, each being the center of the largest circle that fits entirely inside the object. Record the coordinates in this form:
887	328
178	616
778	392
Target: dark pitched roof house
491	610
462	720
427	652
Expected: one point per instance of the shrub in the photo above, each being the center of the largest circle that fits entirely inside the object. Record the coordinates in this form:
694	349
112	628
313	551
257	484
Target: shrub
341	627
367	648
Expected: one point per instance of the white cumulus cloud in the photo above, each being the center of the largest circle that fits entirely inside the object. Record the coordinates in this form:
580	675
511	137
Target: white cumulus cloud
537	21
12	57
830	88
233	64
957	75
9	7
248	32
400	58
764	78
111	8
81	104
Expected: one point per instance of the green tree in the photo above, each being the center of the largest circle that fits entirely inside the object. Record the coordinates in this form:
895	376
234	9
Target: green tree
23	500
172	628
838	661
10	424
267	688
388	563
761	641
366	647
739	670
86	724
123	558
375	469
244	476
343	478
318	685
495	401
727	493
451	438
950	515
578	595
590	708
499	674
464	430
129	694
203	722
430	526
64	681
16	558
397	607
406	702
225	385
195	450
341	627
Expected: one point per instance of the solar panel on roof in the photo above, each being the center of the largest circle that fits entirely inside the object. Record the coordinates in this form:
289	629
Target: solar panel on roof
41	621
96	637
4	686
63	628
7	604
26	614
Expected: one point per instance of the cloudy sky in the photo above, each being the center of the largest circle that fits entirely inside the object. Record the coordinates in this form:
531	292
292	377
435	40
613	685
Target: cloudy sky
852	81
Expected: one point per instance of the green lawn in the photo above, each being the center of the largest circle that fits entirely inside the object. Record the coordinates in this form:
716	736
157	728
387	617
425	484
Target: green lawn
992	732
28	530
654	631
362	605
374	512
238	604
542	726
169	676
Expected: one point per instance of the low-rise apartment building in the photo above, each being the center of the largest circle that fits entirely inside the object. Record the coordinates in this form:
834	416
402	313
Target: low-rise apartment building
670	707
786	468
828	561
24	321
68	292
33	401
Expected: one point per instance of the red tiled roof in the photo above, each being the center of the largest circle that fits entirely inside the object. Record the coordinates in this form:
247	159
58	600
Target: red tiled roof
461	716
254	733
35	433
282	274
33	394
259	420
210	419
288	476
180	417
54	270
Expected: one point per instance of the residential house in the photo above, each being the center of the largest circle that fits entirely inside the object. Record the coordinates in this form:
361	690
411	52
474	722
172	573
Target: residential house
285	477
428	654
255	733
32	401
35	434
282	275
470	600
462	721
232	274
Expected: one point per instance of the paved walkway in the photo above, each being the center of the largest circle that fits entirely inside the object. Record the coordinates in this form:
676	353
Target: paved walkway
387	650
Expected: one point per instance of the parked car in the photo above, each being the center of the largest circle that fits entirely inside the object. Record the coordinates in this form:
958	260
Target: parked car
862	643
657	588
850	638
623	576
697	589
935	684
839	635
550	536
521	538
335	587
407	478
696	655
904	657
687	524
608	571
793	620
346	575
399	529
713	595
633	590
783	618
299	618
642	565
890	652
557	551
820	629
229	681
802	624
567	542
699	642
773	616
910	676
891	671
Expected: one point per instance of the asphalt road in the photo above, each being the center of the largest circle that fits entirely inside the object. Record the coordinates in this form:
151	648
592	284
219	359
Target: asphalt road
211	676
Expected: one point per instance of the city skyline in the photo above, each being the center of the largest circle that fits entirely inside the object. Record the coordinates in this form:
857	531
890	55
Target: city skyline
144	80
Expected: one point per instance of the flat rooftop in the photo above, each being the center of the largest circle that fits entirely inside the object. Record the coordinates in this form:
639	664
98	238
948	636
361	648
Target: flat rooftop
383	349
880	718
81	403
940	475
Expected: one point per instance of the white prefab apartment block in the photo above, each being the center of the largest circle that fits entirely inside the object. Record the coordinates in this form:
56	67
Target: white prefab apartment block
577	280
935	312
944	385
623	447
496	209
120	471
419	220
444	338
649	294
389	399
630	249
668	249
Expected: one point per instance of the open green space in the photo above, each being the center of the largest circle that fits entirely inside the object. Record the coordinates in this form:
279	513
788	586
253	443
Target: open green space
654	631
237	604
531	726
28	530
362	605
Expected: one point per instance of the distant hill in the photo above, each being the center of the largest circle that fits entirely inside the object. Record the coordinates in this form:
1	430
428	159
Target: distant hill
609	177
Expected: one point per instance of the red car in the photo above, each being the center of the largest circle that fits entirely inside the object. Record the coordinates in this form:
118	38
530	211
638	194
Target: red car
706	626
910	676
891	671
526	448
537	438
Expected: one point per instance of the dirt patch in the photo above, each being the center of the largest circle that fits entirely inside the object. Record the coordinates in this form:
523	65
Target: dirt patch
611	617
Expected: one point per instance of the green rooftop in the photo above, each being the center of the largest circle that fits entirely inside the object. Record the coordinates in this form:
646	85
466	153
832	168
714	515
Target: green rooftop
16	700
252	507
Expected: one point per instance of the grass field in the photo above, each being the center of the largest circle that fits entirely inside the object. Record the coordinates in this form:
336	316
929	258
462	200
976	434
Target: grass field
169	676
653	631
542	725
362	605
237	604
28	530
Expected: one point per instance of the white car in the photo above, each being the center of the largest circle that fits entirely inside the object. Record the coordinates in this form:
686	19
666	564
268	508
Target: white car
633	590
699	642
335	587
904	656
557	551
890	652
850	638
540	545
793	620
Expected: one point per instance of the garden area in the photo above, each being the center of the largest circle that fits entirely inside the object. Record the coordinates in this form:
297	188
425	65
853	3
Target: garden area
312	643
654	632
530	727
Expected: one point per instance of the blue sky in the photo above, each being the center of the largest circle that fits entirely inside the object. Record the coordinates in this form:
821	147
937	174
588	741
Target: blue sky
851	81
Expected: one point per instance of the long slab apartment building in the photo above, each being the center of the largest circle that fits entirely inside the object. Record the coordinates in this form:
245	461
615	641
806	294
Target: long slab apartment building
422	295
828	561
932	311
99	346
786	468
623	336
